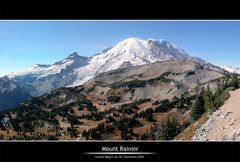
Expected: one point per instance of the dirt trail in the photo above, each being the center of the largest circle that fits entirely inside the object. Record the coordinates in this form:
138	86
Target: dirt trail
224	124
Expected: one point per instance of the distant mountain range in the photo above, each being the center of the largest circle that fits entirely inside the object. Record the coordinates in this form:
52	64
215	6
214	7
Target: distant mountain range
11	94
76	70
118	104
40	79
231	69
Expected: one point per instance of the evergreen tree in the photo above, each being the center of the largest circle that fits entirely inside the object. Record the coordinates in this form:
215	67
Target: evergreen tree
208	99
167	130
96	135
84	133
144	136
226	83
178	102
149	117
72	132
235	81
124	134
198	86
198	107
218	90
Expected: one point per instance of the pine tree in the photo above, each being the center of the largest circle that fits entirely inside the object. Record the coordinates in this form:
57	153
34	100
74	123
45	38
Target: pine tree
226	83
84	133
144	136
167	130
149	117
208	99
198	86
124	134
198	107
218	90
175	101
235	81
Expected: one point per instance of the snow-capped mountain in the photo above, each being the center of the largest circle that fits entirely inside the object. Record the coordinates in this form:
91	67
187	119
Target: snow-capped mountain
76	70
40	79
231	69
131	52
40	71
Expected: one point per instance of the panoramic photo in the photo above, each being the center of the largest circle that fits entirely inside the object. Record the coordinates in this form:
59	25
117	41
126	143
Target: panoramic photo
120	80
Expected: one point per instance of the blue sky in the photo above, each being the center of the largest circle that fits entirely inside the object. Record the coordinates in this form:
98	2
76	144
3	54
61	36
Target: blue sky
25	43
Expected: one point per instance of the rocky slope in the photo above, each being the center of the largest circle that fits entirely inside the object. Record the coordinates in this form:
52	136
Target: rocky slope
120	104
161	80
11	94
224	124
39	79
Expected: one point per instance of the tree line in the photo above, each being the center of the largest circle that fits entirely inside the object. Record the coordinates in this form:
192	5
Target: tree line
206	100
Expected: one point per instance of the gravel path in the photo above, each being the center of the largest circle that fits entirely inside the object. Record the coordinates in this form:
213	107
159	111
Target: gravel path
224	124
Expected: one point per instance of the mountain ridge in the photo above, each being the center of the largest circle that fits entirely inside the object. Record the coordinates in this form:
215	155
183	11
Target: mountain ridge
114	105
230	69
11	94
76	70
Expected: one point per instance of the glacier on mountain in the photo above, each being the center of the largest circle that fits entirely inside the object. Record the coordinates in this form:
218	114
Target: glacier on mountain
230	69
76	70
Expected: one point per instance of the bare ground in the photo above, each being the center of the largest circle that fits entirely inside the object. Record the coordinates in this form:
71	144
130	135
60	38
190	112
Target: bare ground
224	124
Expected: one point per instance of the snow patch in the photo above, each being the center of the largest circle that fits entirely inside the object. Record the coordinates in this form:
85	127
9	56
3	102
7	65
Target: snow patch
230	69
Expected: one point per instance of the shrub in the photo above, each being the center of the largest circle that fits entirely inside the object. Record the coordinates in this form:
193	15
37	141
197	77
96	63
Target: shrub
72	132
164	106
190	73
144	136
113	99
219	101
72	119
96	116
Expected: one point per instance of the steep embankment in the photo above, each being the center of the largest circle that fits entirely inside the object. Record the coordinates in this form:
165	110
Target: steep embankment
224	124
